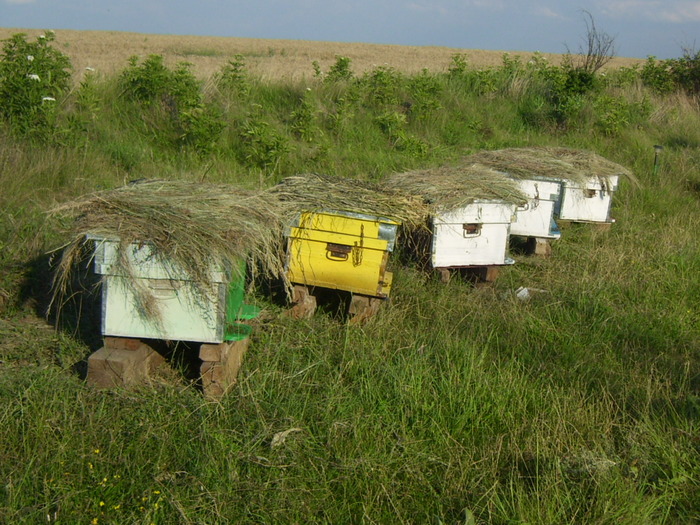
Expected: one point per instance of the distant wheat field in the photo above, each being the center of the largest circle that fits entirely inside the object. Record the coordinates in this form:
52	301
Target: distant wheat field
108	52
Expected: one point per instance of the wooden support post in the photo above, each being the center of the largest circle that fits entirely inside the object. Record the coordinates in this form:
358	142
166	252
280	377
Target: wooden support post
445	274
303	303
122	362
363	308
539	246
490	273
220	366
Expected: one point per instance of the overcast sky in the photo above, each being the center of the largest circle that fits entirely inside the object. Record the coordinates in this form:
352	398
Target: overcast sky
640	28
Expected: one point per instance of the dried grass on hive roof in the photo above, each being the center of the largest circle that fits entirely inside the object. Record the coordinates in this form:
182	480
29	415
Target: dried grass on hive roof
313	192
450	187
550	163
192	228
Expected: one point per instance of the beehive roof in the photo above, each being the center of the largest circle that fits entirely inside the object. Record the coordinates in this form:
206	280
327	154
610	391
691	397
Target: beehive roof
549	162
314	192
194	227
449	187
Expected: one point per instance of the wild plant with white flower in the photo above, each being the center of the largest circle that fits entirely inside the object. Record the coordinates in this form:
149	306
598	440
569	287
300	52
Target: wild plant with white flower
33	76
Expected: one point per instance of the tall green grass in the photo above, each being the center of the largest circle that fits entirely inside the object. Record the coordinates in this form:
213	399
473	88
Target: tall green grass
457	404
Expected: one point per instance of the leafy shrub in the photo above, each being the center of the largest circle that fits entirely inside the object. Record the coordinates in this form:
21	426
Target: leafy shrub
577	81
657	76
340	71
152	81
263	147
201	128
87	110
424	91
613	114
391	122
381	86
459	65
474	81
33	75
622	77
411	145
303	120
233	77
686	71
87	98
176	95
677	73
341	114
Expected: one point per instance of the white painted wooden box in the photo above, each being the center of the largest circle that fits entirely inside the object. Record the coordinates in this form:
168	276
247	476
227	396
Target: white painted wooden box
588	202
183	314
475	235
536	217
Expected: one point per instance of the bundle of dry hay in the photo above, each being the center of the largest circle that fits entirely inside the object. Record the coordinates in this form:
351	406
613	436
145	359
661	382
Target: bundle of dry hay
313	192
450	187
550	163
192	229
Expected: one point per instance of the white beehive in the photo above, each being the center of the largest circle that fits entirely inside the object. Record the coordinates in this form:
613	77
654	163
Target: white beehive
536	217
184	315
474	235
588	201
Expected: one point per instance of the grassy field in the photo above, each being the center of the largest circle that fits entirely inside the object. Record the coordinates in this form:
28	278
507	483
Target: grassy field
108	52
455	405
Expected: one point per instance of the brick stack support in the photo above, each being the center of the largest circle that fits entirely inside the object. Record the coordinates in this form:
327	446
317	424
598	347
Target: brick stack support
126	362
539	246
122	362
303	303
220	366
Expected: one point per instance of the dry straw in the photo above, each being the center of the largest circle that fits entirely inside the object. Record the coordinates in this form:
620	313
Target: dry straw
313	192
550	163
451	187
193	229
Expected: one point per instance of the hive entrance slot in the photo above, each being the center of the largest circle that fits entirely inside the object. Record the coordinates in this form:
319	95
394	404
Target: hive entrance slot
471	229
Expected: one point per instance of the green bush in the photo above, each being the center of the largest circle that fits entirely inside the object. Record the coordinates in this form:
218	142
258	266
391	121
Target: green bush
339	72
677	73
657	76
424	92
233	78
686	71
201	127
303	120
263	146
33	77
175	100
381	86
613	115
152	81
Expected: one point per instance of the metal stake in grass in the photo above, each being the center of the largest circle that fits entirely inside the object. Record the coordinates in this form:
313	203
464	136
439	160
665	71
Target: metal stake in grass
657	151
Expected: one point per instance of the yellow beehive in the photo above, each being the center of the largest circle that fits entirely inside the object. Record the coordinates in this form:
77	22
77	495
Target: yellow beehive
342	251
